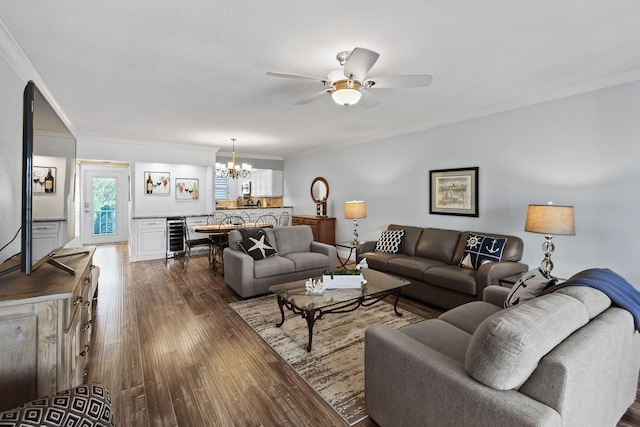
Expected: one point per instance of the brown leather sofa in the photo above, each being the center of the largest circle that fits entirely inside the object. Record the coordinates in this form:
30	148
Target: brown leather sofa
429	258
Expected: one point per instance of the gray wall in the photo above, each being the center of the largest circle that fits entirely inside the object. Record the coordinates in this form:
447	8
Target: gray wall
581	150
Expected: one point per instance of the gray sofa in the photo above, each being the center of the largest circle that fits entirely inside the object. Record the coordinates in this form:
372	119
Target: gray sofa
299	257
568	358
429	258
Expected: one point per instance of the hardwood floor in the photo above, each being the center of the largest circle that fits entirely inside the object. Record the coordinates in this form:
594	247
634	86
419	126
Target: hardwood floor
173	353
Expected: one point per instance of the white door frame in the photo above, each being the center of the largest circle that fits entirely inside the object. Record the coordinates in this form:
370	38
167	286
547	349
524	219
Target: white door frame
85	211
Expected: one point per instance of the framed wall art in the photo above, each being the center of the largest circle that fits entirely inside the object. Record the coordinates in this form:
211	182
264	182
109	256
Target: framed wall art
187	189
44	180
454	191
157	183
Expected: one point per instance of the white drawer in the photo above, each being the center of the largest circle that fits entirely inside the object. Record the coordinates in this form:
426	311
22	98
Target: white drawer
155	223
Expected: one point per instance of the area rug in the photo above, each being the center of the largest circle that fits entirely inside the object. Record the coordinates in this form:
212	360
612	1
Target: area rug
335	366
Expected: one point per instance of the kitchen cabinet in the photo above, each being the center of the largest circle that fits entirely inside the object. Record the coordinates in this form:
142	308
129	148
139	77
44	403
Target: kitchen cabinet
46	237
266	183
323	228
46	321
151	239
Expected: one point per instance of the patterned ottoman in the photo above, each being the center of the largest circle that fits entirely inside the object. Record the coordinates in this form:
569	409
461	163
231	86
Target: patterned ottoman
85	405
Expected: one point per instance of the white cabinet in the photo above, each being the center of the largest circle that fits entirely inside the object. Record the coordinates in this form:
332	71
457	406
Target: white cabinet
267	183
46	237
151	239
192	221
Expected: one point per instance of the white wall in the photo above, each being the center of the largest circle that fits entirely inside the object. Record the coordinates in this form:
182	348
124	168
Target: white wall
11	90
581	150
145	205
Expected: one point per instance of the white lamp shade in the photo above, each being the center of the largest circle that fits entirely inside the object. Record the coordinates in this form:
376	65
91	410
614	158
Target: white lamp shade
355	209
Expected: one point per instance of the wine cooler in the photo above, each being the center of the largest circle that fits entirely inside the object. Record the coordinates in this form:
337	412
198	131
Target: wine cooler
175	237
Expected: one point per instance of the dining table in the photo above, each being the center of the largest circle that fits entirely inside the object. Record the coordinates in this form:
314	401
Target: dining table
217	228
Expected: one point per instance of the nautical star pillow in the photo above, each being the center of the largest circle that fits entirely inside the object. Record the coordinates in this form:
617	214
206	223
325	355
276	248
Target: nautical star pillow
258	246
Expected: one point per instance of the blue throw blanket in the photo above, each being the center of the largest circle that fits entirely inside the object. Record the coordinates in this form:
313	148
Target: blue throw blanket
621	292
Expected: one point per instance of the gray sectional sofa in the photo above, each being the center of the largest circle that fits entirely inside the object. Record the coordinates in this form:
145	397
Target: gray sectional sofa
298	257
430	258
568	358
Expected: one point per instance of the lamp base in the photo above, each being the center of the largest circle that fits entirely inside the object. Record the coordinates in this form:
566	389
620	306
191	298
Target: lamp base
355	232
546	265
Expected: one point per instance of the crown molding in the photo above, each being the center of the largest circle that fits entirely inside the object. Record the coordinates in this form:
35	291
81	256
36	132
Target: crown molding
143	143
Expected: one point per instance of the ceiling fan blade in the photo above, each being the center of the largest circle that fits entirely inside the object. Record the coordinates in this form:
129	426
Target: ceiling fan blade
296	76
404	81
367	100
312	98
359	63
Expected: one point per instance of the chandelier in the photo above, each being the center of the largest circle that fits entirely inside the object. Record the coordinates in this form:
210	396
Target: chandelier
231	170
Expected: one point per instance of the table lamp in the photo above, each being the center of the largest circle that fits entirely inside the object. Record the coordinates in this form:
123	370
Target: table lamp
550	219
355	210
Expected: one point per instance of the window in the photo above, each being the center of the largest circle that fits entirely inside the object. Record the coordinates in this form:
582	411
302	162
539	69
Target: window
222	191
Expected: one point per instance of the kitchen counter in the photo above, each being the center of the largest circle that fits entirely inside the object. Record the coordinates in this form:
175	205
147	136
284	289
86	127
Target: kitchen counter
233	208
166	216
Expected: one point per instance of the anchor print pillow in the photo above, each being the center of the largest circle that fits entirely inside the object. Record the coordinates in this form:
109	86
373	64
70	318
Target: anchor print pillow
530	285
481	250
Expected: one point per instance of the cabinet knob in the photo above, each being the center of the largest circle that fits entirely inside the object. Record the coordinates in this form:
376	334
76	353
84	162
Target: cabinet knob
77	301
86	305
85	351
87	325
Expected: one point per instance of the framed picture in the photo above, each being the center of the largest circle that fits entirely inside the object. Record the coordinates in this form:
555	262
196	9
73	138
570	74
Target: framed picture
454	191
157	183
40	176
187	189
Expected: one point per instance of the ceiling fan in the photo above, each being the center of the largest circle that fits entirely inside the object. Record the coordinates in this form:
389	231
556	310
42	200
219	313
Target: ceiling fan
349	85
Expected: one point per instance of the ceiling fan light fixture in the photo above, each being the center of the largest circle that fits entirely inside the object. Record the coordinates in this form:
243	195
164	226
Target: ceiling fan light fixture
346	97
347	92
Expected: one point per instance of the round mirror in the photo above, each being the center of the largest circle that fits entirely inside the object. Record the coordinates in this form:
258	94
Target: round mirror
319	190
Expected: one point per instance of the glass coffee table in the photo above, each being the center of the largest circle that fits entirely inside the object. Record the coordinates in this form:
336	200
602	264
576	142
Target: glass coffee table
312	307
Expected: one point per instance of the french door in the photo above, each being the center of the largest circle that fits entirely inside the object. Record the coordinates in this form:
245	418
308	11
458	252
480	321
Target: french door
104	204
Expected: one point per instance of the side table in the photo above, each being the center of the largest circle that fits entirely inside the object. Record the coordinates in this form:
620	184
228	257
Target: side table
509	281
347	245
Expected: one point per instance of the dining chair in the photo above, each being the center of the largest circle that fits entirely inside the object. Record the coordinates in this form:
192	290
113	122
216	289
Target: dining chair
267	220
220	237
245	216
216	217
283	221
192	242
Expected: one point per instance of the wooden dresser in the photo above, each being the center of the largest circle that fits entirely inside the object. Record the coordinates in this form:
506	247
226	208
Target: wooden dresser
324	229
45	328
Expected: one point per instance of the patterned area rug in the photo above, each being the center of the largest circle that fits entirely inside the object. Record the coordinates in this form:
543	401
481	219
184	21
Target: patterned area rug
335	366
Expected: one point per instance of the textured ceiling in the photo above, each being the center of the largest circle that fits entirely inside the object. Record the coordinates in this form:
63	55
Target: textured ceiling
194	72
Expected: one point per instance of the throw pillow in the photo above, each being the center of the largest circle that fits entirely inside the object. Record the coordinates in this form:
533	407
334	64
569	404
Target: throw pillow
390	241
529	286
481	250
258	246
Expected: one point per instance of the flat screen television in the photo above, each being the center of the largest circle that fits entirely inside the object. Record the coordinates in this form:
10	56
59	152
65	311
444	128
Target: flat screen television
48	180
